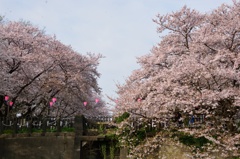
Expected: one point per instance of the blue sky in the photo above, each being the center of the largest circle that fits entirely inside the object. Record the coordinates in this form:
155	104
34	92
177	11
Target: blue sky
121	30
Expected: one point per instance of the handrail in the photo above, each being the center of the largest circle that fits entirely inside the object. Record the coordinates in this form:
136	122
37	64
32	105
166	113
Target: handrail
27	124
89	122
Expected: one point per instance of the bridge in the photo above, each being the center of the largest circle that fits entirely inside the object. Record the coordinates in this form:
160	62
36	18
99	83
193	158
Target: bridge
88	136
31	124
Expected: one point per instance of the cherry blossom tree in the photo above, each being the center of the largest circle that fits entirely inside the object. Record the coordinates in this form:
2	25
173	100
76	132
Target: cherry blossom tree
36	67
193	70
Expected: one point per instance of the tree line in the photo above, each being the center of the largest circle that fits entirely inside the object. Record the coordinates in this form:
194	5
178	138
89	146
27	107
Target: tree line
193	70
37	68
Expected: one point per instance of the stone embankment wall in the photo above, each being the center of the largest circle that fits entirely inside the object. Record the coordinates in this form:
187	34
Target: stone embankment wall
63	146
172	149
36	146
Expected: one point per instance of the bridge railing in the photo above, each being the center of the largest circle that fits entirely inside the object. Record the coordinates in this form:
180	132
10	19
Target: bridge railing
34	124
157	124
100	118
100	123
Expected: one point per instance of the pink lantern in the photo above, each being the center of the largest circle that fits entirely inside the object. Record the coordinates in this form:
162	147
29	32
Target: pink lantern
51	104
10	103
96	100
54	100
85	103
139	100
6	98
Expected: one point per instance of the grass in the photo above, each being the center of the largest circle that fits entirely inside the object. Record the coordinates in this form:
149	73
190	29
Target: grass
7	131
67	129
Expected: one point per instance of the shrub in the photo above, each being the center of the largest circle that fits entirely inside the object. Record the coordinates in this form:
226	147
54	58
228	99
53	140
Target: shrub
121	118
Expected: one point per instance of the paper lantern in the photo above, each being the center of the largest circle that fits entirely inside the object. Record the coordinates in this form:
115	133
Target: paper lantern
139	100
11	103
96	100
54	100
51	104
85	103
6	98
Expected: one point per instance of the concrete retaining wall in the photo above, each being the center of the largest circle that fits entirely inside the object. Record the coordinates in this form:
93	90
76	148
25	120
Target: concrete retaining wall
37	147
